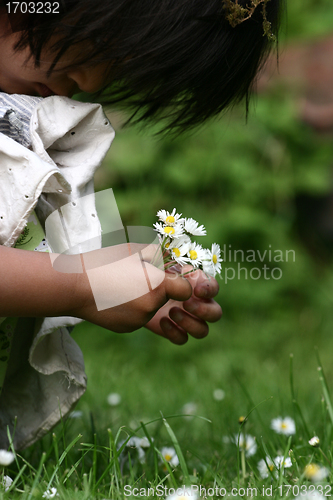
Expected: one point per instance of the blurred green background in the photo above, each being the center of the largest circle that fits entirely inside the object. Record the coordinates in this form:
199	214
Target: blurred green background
248	183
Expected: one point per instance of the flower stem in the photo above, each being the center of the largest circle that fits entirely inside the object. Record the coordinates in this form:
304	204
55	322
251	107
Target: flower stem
326	457
243	464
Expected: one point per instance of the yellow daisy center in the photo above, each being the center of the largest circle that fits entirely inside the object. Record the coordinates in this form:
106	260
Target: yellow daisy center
214	258
170	219
283	425
169	230
167	245
193	254
311	470
176	252
167	457
271	467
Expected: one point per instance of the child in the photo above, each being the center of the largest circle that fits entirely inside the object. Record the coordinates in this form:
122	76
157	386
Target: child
181	62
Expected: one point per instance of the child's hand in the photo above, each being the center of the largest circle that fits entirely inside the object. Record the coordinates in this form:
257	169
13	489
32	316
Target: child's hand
126	279
175	320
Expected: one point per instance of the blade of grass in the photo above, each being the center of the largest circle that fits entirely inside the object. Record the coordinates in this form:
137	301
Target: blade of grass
39	471
151	447
293	397
324	387
62	458
178	451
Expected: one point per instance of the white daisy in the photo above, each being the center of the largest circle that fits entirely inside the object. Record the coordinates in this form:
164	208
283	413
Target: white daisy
6	457
192	226
6	482
218	394
266	467
315	473
246	443
169	231
137	444
284	426
280	461
114	399
178	249
196	254
315	441
50	493
144	442
170	219
170	455
211	264
273	466
183	494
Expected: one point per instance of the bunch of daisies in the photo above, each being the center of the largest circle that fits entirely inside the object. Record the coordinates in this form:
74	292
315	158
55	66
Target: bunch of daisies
175	234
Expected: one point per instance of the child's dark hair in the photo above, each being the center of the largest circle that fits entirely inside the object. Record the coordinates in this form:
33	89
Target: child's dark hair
175	59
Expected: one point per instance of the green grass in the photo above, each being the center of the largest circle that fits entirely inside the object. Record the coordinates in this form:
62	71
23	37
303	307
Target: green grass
84	459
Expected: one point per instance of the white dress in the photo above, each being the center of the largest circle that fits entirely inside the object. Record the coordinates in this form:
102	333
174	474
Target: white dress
49	151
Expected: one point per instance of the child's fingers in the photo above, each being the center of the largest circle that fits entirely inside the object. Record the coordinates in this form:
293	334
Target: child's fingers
172	332
206	288
207	310
177	287
196	327
203	287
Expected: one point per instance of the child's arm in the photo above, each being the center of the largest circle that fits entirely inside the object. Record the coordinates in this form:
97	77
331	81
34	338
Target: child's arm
175	320
30	286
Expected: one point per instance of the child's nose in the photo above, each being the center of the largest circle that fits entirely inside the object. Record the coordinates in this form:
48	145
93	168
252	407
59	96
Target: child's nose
89	79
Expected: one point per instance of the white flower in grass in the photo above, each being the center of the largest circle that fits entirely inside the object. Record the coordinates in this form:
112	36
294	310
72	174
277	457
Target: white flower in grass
50	493
6	482
170	219
315	473
266	467
280	461
169	231
218	394
144	442
311	495
273	466
196	254
246	443
183	494
284	426
192	226
315	441
114	399
137	444
169	454
211	264
6	457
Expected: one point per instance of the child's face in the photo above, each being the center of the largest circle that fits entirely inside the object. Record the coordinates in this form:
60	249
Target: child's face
20	76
